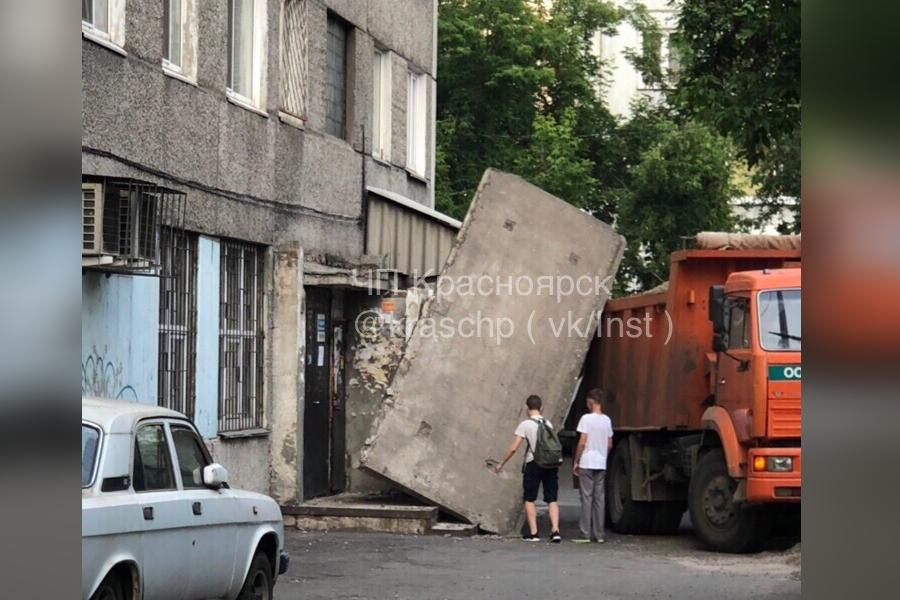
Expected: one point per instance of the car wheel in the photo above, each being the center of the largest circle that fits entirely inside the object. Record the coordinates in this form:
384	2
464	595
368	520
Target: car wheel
258	585
110	589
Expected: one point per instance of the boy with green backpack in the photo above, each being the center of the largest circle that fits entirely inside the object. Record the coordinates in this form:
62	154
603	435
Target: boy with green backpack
543	457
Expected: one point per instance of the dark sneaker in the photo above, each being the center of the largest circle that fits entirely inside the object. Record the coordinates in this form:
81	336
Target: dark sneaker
555	538
531	537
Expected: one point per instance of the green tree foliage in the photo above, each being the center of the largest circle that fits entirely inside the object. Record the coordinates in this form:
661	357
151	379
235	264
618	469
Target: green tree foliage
490	79
554	160
503	64
740	73
520	89
681	185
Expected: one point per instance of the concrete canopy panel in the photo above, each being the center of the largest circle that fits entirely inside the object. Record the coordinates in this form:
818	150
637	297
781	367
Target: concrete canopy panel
455	400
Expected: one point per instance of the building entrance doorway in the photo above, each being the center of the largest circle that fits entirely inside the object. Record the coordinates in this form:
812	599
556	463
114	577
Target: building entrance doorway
323	418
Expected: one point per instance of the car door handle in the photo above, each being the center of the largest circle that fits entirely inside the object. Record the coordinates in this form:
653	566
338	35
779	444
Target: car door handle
148	513
197	508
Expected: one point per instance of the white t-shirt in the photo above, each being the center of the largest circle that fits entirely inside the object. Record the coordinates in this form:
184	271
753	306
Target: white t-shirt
528	429
599	430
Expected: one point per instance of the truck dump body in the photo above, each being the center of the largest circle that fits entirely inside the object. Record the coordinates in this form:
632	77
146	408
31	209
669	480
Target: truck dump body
660	379
455	401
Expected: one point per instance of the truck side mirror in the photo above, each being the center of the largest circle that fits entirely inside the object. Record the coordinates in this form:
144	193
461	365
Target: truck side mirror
717	308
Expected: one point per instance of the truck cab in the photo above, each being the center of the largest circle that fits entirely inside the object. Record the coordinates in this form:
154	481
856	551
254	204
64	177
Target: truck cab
757	340
756	406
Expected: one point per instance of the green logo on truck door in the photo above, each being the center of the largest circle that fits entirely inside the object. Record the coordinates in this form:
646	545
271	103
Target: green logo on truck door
784	373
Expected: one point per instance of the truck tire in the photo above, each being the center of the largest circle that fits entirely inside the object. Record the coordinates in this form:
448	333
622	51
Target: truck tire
258	584
720	523
625	514
110	588
667	517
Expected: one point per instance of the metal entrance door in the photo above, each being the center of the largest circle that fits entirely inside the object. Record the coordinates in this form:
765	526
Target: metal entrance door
317	413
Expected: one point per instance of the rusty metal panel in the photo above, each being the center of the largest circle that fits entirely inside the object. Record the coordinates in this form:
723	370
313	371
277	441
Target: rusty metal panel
455	400
413	240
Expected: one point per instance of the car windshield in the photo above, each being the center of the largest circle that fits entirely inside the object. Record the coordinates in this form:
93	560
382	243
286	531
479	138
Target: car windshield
90	438
779	320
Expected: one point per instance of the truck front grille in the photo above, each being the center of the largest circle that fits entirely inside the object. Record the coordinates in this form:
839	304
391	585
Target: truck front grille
784	417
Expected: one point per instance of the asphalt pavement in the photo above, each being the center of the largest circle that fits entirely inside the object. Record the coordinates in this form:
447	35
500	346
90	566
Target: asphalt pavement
374	566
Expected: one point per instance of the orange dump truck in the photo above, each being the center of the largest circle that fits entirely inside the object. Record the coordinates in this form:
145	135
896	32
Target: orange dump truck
702	383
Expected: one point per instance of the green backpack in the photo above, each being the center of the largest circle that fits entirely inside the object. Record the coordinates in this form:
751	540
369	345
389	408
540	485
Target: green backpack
548	450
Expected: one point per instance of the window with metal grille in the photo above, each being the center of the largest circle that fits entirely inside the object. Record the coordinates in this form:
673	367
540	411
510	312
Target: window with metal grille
294	53
241	337
178	320
336	77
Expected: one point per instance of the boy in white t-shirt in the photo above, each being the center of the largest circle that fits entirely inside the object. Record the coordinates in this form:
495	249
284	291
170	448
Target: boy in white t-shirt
589	466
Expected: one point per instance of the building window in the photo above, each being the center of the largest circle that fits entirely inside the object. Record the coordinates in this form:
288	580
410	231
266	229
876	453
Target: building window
415	124
95	14
247	45
336	78
294	62
381	110
241	337
174	31
673	57
178	320
180	51
103	21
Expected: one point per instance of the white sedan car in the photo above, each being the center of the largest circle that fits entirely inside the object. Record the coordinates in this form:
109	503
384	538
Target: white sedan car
158	520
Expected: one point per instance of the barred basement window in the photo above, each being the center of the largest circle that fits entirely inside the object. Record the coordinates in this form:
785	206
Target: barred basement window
294	53
178	320
241	337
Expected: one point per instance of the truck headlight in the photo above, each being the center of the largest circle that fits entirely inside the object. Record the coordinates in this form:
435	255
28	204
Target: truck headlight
773	464
780	464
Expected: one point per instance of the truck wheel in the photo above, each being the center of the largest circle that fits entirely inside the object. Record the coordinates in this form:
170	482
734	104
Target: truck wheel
667	517
625	515
258	585
110	589
720	523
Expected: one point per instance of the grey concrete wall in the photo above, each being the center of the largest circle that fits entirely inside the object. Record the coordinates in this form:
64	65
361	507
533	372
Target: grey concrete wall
455	400
373	356
246	460
287	335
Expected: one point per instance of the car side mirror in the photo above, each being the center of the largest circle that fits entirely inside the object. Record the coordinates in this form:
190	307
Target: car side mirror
215	476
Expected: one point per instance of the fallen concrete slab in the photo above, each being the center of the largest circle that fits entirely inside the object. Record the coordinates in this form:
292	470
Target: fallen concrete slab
515	308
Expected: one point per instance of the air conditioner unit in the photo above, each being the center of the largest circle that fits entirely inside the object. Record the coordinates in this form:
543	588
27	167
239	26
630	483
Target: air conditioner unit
121	220
92	219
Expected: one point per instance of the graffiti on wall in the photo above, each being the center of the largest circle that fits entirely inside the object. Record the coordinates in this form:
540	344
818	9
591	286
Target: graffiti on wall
103	378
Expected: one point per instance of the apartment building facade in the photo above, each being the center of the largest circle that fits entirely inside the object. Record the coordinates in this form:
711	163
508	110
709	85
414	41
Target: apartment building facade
624	82
255	175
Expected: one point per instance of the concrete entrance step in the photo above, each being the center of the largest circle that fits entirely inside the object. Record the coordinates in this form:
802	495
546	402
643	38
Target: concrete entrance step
353	512
453	529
